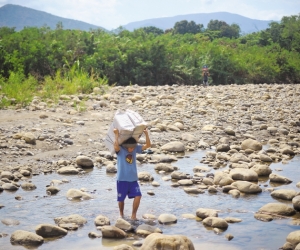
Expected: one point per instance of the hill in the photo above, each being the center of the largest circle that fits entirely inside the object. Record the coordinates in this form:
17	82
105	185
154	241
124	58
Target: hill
19	17
246	24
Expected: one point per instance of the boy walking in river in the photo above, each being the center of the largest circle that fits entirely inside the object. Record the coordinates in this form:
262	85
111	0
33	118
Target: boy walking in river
127	177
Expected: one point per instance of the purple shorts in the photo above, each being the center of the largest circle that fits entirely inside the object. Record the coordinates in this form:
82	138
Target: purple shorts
124	188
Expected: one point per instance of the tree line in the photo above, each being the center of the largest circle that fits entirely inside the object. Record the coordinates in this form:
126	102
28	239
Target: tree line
151	56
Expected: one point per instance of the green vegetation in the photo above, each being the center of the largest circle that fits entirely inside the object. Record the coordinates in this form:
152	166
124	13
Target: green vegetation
48	63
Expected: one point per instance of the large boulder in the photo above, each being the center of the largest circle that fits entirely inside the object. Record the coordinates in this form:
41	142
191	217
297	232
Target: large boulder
167	219
294	237
175	146
279	179
160	241
113	232
48	230
262	170
251	144
296	202
206	212
21	237
84	161
247	187
222	179
243	174
284	194
277	209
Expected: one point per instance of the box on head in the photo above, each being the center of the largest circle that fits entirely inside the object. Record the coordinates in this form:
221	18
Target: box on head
129	123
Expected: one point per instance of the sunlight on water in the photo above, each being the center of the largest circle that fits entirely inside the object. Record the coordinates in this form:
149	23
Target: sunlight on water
37	207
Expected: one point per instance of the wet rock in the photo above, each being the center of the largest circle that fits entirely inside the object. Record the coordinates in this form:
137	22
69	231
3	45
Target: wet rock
239	157
215	222
287	151
233	220
229	237
206	212
263	217
25	172
279	179
68	226
74	218
243	174
21	237
6	174
112	232
167	219
52	190
10	222
111	168
78	194
94	235
185	182
201	169
222	179
123	247
277	209
164	158
262	170
296	202
28	186
223	148
164	167
234	193
145	176
123	224
144	230
84	161
48	230
157	240
175	146
265	158
247	187
251	144
284	194
293	237
68	170
9	186
193	190
101	220
212	190
179	175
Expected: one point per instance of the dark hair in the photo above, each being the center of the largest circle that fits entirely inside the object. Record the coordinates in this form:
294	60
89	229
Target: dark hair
130	140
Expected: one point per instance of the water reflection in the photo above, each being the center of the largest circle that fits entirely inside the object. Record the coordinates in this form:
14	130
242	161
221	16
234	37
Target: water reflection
38	207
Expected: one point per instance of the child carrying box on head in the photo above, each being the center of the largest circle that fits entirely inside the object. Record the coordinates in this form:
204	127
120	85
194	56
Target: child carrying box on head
127	177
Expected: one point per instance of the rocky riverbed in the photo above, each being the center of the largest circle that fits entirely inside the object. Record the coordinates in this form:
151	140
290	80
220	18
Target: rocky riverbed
243	131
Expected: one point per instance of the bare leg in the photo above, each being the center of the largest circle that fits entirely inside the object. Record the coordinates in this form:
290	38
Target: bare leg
121	208
135	206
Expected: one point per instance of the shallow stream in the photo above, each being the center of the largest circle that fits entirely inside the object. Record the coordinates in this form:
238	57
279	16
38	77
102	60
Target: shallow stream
36	207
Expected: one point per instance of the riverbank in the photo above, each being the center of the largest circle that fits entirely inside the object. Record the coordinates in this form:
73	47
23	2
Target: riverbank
217	120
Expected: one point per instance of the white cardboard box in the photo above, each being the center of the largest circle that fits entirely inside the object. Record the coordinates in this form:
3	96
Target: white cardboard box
129	123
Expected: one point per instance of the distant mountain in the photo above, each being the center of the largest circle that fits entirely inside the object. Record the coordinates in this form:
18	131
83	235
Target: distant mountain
18	16
246	24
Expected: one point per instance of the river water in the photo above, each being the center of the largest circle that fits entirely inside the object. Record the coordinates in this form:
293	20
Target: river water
36	207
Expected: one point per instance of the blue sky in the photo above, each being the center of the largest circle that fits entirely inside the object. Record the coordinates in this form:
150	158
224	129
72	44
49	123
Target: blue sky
111	14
